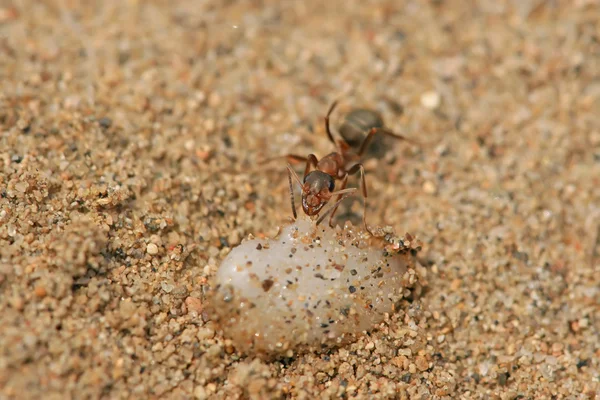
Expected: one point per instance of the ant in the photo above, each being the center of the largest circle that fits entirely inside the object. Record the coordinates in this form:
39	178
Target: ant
318	185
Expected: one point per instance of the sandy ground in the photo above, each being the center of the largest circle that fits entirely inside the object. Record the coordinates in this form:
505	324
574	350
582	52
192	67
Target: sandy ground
129	139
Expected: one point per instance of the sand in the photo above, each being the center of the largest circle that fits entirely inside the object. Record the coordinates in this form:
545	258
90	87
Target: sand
130	139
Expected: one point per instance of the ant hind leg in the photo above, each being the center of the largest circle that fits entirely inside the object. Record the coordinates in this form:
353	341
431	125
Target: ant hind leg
346	193
367	140
327	128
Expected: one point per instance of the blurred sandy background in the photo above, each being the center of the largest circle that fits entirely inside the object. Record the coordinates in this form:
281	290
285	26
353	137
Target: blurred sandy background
129	136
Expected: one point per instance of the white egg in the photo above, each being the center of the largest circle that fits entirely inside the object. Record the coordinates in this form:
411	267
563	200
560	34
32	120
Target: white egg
310	288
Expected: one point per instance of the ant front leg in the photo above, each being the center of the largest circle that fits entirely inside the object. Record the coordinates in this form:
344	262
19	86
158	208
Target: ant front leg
363	187
342	187
365	144
345	193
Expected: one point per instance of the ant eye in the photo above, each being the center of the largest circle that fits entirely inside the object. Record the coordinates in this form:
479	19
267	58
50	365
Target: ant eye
331	185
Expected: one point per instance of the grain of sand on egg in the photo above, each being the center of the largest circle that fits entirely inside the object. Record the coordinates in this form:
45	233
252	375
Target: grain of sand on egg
312	287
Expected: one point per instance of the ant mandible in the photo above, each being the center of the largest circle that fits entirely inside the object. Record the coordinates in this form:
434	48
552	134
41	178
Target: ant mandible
318	185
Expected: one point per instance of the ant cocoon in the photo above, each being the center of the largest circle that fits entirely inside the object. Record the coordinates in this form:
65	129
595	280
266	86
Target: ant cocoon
311	288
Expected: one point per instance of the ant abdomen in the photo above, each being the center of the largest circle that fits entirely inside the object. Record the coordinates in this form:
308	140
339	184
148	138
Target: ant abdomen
357	124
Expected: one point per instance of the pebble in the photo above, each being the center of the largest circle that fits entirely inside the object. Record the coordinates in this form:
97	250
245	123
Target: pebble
422	363
205	333
17	303
167	287
105	122
22	187
40	291
412	368
152	249
127	308
200	393
429	187
431	100
194	304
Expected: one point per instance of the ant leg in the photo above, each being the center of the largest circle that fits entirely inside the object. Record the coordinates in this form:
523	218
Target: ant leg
292	158
342	187
340	144
329	135
346	193
310	160
363	186
290	173
365	144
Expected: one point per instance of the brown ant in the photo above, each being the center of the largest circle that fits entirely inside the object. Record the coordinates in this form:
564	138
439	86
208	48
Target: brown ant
318	185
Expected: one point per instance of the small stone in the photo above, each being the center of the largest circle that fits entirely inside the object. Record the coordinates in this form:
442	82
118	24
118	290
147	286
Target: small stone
455	284
431	100
72	101
405	352
22	187
200	393
105	122
180	292
255	386
205	333
503	378
429	187
194	304
17	302
557	348
189	145
40	291
152	249
127	309
167	287
422	363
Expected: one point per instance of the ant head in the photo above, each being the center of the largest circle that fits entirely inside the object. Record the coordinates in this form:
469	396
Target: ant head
316	191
